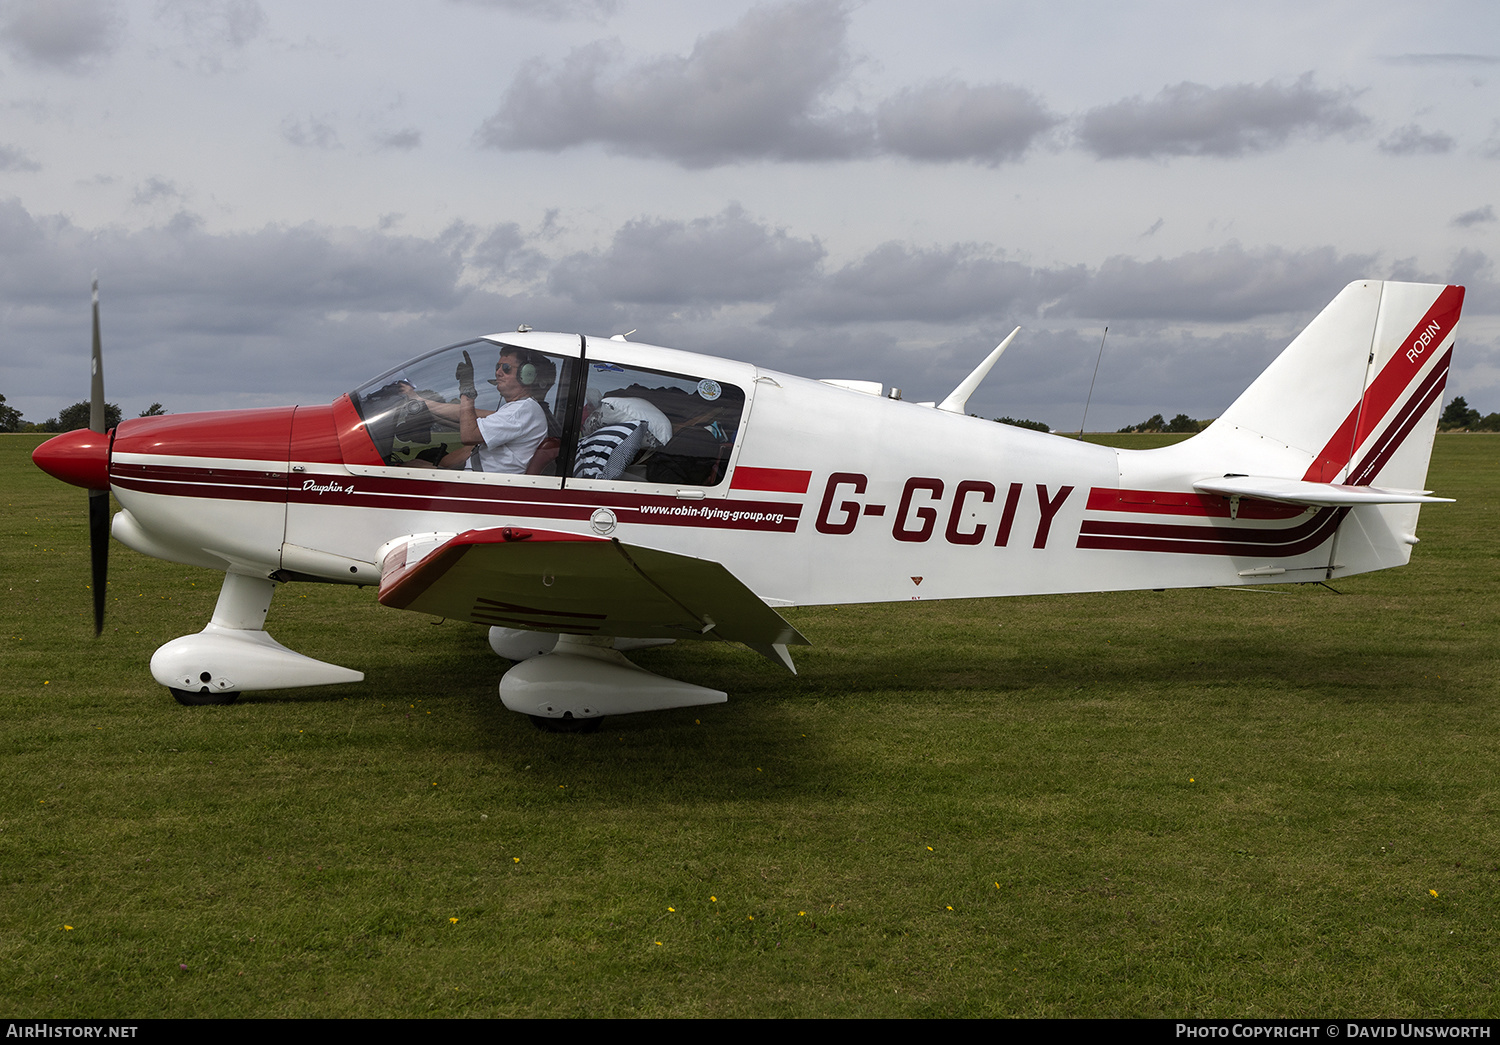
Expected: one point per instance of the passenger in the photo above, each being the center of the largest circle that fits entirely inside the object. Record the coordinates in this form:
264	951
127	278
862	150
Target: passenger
502	440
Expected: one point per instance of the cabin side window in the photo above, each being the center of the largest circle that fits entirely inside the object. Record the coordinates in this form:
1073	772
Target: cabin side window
651	426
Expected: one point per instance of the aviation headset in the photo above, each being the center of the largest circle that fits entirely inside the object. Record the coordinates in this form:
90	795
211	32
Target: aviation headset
527	372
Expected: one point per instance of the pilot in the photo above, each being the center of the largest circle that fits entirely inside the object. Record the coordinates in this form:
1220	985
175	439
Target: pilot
502	440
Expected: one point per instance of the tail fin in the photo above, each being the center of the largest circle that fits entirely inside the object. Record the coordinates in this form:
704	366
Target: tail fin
1354	399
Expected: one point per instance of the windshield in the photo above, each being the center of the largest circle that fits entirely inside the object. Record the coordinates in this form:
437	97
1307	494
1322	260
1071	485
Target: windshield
412	414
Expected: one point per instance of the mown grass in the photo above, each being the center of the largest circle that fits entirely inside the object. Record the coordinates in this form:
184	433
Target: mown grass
1205	803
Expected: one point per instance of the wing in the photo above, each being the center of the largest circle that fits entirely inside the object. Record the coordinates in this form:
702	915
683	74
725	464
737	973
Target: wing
545	580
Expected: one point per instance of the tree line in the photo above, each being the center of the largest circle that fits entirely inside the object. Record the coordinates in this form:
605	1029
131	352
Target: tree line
1181	423
68	418
1458	416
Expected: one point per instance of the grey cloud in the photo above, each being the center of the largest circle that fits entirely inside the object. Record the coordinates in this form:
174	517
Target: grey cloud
752	91
197	319
404	140
13	159
1475	272
71	35
1190	119
1443	59
758	91
1471	266
1223	285
504	252
215	25
552	10
310	133
153	190
729	258
896	282
947	120
1478	216
1411	140
274	271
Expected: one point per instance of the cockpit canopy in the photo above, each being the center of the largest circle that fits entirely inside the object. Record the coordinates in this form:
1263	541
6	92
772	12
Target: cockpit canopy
607	417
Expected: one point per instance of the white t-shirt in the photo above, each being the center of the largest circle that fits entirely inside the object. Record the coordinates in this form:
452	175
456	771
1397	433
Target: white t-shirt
511	436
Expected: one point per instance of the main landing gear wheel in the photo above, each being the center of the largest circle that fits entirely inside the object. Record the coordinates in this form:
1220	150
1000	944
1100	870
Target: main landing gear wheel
203	698
568	724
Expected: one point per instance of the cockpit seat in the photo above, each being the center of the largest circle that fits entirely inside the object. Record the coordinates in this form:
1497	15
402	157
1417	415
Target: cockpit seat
543	462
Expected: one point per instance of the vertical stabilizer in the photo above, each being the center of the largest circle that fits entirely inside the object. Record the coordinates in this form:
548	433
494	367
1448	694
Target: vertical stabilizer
1354	399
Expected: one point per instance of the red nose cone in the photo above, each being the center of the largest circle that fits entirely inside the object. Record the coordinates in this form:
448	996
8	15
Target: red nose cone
80	457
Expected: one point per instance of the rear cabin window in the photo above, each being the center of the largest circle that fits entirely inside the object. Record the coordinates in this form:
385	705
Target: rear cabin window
656	427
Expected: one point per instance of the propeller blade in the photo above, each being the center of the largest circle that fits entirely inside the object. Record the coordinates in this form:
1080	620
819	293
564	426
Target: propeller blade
98	499
96	372
99	551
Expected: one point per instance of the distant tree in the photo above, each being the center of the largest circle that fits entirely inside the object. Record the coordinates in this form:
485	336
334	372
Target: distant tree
1035	426
154	410
1458	415
1487	423
10	417
1156	423
77	416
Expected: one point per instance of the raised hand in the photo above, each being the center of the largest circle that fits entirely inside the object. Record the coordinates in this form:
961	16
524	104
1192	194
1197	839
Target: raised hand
465	375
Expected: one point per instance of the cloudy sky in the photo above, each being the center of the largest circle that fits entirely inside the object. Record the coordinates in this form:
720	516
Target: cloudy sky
284	199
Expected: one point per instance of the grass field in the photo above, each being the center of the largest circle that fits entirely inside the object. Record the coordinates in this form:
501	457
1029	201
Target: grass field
1271	802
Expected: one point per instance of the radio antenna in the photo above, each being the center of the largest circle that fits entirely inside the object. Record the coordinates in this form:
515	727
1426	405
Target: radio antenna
1090	398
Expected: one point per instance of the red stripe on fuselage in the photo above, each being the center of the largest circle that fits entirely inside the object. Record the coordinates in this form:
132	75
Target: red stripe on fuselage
459	498
1207	540
1261	541
1167	502
770	480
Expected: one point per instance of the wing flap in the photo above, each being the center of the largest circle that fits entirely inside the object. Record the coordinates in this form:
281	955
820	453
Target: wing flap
545	580
1312	495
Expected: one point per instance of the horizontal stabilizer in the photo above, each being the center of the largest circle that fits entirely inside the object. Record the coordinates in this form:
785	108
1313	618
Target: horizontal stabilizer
544	580
1313	495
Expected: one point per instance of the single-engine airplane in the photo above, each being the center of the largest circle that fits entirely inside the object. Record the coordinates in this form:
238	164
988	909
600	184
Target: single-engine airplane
615	494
